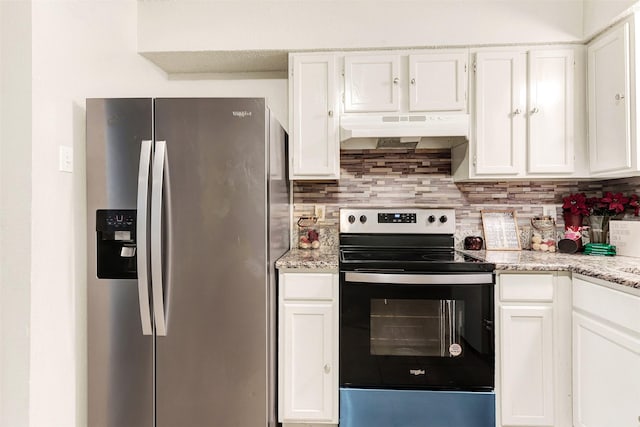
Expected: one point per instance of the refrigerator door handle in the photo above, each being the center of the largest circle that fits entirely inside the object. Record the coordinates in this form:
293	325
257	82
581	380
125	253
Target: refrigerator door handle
159	160
141	235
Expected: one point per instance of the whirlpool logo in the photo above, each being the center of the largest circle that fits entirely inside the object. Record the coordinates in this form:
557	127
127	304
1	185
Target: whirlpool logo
417	372
241	114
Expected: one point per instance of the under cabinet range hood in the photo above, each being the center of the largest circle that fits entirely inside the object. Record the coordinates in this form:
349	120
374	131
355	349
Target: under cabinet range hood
403	131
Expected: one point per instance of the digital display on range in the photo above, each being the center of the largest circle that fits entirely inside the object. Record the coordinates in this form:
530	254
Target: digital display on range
399	218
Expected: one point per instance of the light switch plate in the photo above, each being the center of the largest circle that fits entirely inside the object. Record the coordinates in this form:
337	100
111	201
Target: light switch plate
65	158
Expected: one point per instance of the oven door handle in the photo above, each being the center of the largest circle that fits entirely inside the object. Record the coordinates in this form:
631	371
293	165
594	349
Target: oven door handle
419	279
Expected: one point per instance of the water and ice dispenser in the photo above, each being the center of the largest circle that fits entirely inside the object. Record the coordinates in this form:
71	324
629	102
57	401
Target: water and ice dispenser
116	239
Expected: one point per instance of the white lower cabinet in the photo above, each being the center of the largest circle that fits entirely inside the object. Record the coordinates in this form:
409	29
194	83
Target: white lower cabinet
308	348
606	355
533	344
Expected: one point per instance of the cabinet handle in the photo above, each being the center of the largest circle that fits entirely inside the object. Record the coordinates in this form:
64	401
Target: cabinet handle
535	110
619	96
396	81
413	81
517	111
330	113
327	368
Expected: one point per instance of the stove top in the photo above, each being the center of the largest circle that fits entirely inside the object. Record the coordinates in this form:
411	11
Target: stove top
405	239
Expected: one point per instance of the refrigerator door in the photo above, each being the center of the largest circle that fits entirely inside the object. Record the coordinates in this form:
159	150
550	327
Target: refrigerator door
120	357
212	364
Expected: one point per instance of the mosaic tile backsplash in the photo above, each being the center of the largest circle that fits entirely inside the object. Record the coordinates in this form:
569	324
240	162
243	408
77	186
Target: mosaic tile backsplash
422	177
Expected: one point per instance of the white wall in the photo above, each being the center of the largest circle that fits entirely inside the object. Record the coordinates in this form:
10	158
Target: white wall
15	208
190	25
598	14
82	49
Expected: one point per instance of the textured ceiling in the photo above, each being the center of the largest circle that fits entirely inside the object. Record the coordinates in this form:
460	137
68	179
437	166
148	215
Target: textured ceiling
265	62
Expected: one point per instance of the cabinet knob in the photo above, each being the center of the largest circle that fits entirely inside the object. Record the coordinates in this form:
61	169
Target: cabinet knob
396	81
327	368
413	81
534	110
517	111
330	113
619	96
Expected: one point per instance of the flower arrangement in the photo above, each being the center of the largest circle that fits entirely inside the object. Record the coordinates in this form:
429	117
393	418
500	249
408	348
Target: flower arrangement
609	204
575	204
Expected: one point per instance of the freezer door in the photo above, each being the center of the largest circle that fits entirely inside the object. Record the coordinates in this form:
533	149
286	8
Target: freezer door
212	364
120	357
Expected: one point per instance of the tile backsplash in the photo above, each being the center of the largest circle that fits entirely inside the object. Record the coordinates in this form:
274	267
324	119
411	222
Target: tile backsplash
423	178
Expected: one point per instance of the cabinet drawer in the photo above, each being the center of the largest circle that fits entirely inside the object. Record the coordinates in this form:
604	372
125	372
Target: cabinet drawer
305	286
526	287
609	304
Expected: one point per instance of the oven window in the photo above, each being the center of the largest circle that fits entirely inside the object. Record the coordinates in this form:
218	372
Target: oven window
416	327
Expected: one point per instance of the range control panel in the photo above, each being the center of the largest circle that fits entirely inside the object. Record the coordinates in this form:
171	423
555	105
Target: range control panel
398	220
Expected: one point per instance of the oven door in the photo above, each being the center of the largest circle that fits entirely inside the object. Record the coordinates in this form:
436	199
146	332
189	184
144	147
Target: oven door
417	331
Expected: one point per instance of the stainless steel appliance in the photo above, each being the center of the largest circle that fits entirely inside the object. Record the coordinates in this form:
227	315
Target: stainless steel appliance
188	209
416	322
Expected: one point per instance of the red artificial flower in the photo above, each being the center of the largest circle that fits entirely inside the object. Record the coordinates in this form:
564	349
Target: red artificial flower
635	204
576	204
614	202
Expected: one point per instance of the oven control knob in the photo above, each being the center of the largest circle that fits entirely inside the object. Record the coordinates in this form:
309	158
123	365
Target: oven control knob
443	219
363	218
431	219
351	219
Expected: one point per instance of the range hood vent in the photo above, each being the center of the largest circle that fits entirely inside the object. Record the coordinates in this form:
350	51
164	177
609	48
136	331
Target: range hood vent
403	126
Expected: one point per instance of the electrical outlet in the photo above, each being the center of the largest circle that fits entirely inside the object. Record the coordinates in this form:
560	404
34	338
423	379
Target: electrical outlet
319	212
549	210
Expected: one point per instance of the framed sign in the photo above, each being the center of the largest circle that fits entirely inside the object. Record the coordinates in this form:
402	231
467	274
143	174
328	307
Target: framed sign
500	230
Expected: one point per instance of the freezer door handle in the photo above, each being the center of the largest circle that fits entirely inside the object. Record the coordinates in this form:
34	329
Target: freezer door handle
141	235
157	187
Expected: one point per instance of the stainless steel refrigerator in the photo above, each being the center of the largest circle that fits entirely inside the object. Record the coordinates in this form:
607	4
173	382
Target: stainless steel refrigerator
188	209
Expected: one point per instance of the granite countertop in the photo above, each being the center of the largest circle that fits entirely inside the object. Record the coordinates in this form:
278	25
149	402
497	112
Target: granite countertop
323	258
617	269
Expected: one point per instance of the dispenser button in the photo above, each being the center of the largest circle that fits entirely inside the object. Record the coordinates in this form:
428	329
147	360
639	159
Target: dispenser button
128	251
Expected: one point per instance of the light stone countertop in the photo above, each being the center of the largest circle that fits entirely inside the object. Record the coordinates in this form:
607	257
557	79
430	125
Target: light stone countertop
323	258
617	269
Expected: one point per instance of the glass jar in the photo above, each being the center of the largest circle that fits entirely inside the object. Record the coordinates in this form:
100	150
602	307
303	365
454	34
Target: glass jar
308	233
543	234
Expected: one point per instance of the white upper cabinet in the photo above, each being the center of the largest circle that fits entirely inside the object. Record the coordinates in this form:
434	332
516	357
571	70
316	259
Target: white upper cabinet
314	148
612	144
550	111
425	81
526	117
371	83
500	116
438	82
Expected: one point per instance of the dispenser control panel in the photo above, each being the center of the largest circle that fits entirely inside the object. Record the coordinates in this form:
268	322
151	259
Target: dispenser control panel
112	220
116	240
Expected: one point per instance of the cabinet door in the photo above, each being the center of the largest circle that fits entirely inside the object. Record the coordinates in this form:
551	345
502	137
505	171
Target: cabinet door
606	372
500	119
527	366
315	143
438	82
309	385
550	111
609	102
371	83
